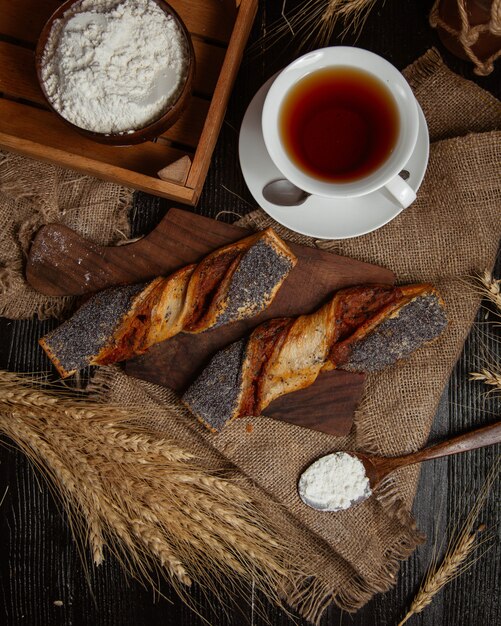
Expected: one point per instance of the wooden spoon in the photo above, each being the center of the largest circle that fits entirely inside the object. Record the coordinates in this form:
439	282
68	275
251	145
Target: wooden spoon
378	467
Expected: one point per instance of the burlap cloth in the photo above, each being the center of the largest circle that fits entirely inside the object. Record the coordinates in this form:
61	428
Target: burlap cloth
33	194
449	233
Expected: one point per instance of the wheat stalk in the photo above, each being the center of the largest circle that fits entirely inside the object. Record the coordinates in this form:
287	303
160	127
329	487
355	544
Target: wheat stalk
449	568
353	14
490	289
489	378
144	498
312	22
457	559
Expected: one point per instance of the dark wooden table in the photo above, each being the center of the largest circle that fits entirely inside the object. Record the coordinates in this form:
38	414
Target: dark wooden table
42	581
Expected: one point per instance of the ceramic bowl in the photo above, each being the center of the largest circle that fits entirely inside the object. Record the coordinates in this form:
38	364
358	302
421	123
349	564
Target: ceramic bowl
151	130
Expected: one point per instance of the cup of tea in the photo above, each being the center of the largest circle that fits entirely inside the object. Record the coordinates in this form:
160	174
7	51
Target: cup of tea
341	122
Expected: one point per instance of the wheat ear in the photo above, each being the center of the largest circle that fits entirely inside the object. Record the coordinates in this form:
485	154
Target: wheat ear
458	555
312	23
492	288
492	379
450	567
353	14
145	498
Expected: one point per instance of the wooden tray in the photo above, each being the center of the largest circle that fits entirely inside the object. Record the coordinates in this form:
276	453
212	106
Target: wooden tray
219	30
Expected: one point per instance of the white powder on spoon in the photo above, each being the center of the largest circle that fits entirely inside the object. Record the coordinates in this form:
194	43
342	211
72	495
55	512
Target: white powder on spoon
114	66
334	482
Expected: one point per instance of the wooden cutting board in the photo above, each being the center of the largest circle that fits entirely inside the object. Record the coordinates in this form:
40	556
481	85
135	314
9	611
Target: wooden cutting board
63	263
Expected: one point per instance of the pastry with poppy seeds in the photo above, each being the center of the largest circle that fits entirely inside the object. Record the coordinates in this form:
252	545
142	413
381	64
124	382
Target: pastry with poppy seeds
232	283
360	329
393	334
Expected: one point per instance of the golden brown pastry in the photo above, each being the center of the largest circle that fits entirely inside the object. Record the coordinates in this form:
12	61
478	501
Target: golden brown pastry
233	283
361	329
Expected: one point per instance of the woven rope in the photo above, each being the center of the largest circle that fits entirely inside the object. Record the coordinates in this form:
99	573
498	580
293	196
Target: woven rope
468	35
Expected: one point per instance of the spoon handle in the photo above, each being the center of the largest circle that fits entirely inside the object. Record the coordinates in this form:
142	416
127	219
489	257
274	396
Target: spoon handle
485	436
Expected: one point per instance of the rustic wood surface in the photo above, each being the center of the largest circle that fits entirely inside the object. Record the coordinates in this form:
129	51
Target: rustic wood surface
39	563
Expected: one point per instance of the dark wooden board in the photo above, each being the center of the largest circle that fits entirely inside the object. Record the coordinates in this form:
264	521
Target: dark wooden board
339	392
62	262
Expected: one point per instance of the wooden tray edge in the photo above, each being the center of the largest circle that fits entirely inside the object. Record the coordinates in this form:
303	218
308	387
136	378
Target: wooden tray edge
215	116
104	171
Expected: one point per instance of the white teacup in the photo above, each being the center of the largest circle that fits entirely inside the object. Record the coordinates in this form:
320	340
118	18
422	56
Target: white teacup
386	174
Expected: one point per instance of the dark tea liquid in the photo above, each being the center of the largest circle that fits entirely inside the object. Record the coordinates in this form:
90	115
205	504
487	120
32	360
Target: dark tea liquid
339	124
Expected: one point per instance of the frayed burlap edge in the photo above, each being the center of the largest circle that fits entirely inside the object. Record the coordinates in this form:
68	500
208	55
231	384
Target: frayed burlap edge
426	67
423	68
312	596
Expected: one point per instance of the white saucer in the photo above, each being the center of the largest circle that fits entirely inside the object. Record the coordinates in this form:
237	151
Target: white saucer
322	218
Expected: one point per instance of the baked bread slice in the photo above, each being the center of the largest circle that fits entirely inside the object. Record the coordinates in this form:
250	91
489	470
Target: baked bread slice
233	283
361	328
413	319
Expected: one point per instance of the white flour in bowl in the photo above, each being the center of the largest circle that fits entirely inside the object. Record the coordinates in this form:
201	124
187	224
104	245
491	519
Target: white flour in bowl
334	482
114	66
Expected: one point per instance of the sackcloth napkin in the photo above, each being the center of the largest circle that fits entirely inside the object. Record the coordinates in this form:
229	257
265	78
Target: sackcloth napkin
449	233
32	194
